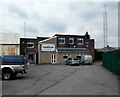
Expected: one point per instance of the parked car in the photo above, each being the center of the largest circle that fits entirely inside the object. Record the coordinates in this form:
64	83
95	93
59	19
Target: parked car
11	65
73	61
86	59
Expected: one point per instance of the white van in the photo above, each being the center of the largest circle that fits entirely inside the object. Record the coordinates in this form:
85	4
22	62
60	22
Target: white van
86	59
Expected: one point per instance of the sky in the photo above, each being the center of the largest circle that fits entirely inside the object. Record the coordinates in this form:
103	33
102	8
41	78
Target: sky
46	18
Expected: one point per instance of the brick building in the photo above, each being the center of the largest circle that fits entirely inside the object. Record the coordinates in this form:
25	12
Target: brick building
56	49
29	48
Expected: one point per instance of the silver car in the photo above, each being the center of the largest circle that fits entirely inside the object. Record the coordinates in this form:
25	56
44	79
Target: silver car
73	61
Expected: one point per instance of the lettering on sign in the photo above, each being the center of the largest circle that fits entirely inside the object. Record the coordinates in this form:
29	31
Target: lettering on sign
48	47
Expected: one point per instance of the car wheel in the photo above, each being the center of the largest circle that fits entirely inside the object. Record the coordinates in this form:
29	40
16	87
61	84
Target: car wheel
6	75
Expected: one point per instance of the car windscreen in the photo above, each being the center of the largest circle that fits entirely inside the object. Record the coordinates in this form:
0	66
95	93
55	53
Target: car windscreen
75	59
69	59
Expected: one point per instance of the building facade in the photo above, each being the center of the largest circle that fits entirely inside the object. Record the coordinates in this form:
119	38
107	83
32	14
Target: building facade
57	49
29	48
9	44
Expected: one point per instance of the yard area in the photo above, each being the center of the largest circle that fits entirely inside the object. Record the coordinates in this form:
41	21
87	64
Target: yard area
63	80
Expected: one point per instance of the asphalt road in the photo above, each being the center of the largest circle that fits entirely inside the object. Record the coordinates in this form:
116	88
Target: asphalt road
63	80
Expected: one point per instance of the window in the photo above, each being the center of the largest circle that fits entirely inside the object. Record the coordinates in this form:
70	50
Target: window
93	43
30	44
78	56
61	40
87	44
66	56
80	40
71	40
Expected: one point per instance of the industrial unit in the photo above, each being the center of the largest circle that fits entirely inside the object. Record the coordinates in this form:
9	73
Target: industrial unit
9	44
57	49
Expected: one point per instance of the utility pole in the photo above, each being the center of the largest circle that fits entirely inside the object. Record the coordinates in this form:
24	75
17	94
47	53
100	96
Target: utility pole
105	27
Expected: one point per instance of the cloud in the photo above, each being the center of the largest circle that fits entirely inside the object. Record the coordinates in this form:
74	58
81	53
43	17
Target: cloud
113	41
55	25
31	29
49	18
17	12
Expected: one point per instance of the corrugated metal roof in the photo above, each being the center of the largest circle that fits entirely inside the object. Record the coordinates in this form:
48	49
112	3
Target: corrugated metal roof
9	38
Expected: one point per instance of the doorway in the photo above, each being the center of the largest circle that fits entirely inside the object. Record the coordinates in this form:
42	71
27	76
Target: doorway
53	59
30	59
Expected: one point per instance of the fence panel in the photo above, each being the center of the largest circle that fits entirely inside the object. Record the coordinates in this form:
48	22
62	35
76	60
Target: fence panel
111	61
118	62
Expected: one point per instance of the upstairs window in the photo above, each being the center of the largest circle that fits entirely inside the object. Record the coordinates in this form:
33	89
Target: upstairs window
87	44
80	40
61	40
71	40
30	44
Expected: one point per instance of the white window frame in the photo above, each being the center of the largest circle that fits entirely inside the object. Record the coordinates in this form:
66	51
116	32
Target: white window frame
68	55
63	39
78	55
87	43
30	43
53	59
72	40
80	40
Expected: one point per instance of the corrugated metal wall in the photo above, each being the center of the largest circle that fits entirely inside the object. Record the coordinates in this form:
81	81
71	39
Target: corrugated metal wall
111	60
9	44
9	50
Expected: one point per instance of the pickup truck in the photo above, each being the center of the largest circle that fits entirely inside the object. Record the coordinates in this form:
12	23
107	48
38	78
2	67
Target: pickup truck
11	65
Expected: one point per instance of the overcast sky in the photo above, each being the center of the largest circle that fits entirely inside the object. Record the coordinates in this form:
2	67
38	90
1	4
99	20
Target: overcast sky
49	18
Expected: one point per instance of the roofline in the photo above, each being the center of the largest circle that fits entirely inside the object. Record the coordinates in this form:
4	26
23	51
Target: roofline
28	38
10	44
42	37
68	35
47	39
33	37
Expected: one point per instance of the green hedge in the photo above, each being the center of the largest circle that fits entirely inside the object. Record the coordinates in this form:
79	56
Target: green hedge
111	60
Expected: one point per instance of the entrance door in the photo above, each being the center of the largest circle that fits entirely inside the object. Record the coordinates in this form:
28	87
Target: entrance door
30	59
53	59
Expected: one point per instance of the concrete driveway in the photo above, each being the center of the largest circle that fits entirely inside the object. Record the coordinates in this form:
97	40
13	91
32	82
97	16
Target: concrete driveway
63	80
